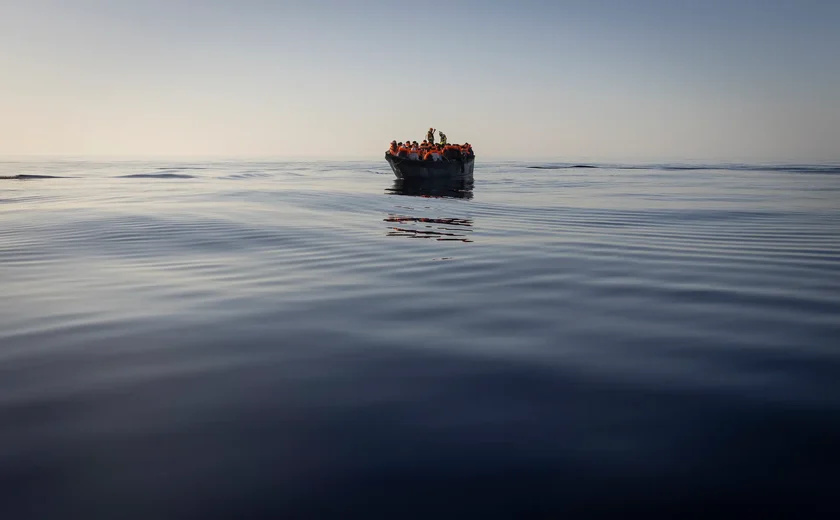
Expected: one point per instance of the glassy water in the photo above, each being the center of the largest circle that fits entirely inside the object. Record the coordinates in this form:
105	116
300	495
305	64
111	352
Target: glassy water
229	339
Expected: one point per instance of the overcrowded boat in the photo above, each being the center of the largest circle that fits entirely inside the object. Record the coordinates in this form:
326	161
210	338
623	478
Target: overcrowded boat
430	160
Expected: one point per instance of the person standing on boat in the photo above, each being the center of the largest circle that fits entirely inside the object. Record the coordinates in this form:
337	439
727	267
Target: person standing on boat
442	138
430	136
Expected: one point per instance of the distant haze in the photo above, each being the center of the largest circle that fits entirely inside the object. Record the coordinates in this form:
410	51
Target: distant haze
596	80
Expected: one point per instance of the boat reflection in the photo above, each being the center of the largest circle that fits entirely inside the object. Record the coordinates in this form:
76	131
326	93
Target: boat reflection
439	229
448	188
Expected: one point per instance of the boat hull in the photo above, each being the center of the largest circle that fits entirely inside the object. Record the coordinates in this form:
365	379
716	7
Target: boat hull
410	169
455	188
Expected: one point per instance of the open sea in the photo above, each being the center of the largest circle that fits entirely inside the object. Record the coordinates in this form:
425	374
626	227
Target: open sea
235	339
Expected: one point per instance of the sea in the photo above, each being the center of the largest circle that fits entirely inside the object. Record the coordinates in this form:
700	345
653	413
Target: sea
315	339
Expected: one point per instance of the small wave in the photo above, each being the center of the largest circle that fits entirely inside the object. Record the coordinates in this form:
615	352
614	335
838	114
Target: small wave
182	168
808	169
571	167
779	168
158	176
247	175
24	177
804	169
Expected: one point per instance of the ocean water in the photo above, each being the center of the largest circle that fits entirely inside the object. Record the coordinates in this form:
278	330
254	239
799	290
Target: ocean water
241	339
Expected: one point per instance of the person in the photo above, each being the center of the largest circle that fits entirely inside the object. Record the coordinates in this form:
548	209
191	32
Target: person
413	153
451	152
430	136
434	155
393	149
442	138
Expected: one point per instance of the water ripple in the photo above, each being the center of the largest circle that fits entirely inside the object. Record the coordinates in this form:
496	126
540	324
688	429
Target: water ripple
168	175
273	333
27	177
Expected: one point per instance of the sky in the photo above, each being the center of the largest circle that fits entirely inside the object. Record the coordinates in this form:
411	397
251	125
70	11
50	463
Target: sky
630	80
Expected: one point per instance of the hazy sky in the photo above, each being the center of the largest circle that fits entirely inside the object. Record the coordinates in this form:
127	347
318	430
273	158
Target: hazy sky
589	79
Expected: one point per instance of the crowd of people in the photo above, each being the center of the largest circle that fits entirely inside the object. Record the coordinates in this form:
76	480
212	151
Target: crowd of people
428	150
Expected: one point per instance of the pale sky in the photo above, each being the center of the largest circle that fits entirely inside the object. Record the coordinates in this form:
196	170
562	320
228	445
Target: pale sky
738	80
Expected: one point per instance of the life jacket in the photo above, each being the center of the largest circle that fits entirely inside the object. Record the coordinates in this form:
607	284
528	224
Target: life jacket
451	152
402	152
393	149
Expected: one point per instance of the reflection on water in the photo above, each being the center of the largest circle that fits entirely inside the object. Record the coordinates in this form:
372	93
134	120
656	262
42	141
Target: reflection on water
440	229
452	188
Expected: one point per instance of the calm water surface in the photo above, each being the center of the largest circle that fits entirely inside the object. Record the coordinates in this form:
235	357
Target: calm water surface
252	339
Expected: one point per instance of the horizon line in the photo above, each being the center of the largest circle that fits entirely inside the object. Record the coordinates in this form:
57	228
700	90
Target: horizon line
368	158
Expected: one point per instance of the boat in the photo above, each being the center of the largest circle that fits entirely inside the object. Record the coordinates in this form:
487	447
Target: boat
452	188
461	168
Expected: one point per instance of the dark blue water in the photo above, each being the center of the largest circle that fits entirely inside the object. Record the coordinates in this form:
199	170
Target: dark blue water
310	340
